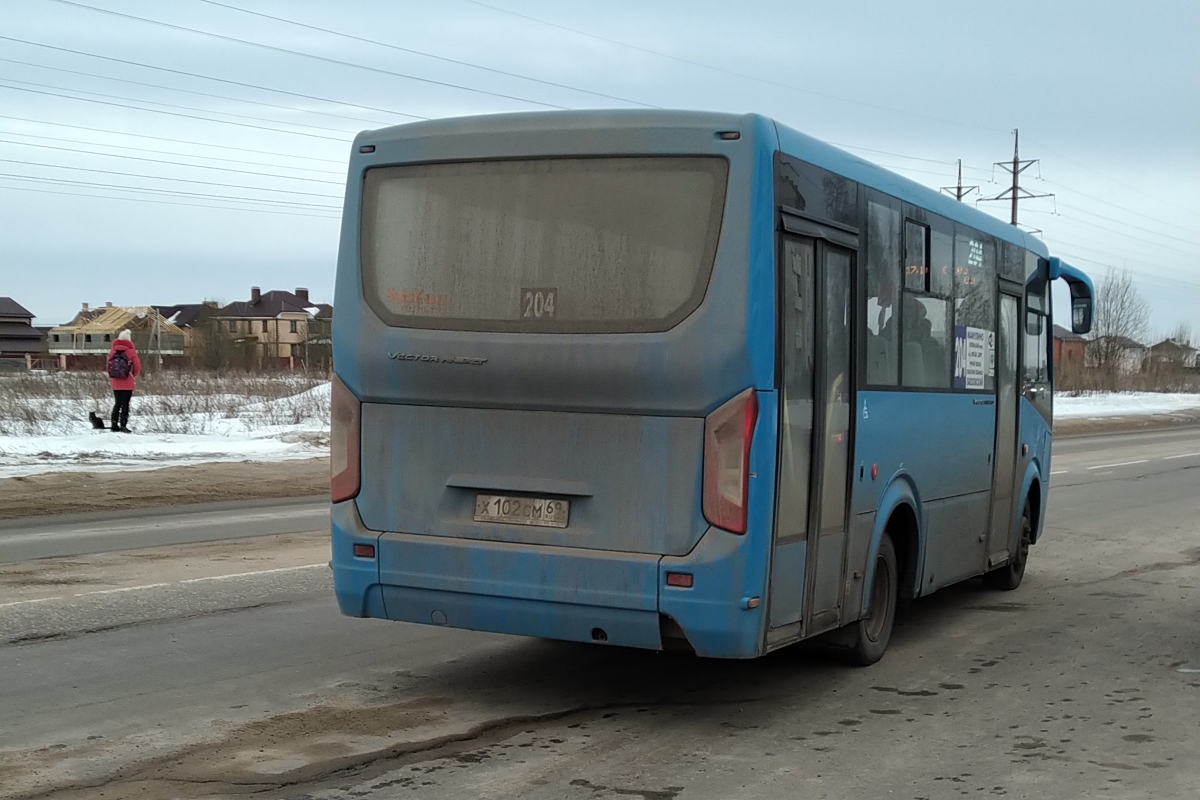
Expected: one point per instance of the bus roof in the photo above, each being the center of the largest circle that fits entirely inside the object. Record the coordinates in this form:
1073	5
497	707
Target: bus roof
790	141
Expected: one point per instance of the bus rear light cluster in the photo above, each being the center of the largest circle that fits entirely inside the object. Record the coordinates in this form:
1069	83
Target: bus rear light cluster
344	435
727	435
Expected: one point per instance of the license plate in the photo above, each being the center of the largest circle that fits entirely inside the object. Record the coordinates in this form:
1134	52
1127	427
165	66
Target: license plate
522	510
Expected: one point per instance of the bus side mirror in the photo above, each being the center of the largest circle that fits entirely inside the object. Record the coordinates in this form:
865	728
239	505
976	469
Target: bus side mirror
1081	294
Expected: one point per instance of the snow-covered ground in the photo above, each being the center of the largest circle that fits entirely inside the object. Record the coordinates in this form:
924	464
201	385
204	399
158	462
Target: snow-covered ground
176	430
213	429
1122	404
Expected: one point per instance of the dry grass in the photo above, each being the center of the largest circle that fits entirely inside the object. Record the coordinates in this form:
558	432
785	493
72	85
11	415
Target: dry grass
1075	382
36	404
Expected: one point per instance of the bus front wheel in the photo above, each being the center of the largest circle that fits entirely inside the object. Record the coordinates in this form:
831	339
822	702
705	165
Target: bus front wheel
868	638
1009	576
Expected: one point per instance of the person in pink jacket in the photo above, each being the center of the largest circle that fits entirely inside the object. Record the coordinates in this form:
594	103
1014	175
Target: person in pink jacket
123	366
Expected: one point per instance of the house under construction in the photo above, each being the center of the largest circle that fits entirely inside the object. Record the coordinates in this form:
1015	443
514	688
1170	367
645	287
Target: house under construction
84	342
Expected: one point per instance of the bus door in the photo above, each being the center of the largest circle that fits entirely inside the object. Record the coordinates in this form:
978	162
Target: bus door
1007	387
816	388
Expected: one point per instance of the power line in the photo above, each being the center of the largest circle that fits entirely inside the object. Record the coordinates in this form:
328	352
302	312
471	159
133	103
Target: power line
174	113
1068	246
414	116
1135	227
1102	175
734	73
164	178
427	55
173	163
166	153
188	91
164	138
301	54
1115	232
213	78
1112	204
169	192
173	105
154	201
1154	279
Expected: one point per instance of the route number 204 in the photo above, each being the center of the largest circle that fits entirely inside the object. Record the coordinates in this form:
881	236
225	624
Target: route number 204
538	303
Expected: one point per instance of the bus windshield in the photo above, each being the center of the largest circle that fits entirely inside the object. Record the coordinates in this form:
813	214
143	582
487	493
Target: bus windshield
549	245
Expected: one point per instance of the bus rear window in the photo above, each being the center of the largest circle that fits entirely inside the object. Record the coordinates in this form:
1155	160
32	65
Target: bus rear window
572	245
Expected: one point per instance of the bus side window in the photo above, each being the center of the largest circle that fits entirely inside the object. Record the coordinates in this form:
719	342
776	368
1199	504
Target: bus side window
1036	367
883	294
925	317
974	309
1012	262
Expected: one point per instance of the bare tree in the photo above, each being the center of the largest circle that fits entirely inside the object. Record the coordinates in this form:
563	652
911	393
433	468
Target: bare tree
1182	335
1122	316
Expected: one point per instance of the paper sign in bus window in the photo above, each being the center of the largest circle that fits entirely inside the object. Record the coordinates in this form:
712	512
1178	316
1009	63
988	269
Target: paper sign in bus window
974	356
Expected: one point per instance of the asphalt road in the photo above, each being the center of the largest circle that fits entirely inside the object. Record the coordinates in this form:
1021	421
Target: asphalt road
82	534
222	668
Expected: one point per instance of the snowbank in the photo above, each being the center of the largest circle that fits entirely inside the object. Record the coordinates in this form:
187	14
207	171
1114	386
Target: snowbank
1122	404
296	426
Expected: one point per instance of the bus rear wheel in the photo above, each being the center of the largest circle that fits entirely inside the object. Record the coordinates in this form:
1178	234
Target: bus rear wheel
1009	576
867	639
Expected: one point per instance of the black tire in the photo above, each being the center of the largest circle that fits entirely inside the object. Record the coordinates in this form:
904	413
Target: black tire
867	639
1009	576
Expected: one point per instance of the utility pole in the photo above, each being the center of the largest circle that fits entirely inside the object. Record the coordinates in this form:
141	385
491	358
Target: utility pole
157	337
959	191
1015	193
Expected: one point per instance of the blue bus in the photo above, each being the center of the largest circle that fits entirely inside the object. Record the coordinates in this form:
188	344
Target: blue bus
677	380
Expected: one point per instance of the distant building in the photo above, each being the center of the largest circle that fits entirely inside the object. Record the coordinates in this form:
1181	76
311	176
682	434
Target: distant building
279	327
20	342
1068	348
86	339
193	319
1172	353
1123	354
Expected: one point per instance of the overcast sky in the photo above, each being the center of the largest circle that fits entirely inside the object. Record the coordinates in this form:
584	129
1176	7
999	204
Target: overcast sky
1106	94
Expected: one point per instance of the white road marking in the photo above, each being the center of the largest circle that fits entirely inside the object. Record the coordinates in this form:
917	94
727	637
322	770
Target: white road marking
160	585
1060	472
1182	455
1189	671
1122	464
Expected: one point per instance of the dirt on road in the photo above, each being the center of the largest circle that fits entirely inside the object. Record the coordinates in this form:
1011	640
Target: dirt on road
77	492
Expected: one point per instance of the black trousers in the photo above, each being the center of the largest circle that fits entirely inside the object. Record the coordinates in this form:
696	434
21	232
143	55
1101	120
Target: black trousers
120	414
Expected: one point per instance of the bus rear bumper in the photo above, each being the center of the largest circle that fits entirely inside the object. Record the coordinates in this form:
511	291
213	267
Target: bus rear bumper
551	592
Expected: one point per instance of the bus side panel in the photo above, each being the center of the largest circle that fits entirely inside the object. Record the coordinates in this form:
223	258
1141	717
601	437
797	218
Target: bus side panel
355	580
870	528
944	442
1034	465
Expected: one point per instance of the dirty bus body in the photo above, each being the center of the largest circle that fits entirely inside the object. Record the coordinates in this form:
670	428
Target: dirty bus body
668	379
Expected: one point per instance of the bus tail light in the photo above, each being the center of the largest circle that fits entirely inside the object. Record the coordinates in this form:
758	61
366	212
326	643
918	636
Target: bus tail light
727	435
344	435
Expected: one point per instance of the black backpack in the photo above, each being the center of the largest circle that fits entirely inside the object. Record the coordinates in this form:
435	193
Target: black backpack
119	366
